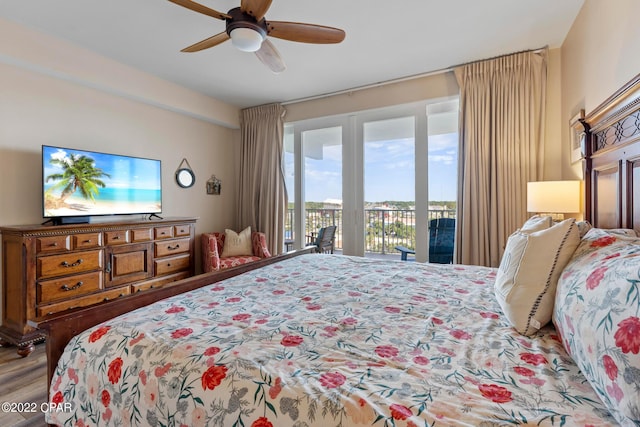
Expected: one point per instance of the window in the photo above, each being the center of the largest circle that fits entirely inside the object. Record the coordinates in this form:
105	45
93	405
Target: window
379	176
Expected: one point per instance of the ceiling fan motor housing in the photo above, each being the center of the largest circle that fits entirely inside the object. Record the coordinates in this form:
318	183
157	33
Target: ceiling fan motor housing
240	19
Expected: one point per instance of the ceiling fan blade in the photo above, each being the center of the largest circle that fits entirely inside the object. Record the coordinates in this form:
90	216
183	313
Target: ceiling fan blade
304	33
207	43
255	8
270	57
197	7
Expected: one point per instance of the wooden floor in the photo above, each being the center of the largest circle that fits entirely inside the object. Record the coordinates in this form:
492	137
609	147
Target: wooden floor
23	380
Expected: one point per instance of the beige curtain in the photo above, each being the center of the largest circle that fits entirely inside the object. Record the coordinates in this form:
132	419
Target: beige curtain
262	198
502	116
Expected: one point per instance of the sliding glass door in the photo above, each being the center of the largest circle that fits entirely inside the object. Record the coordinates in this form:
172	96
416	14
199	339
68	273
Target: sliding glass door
313	171
389	184
322	153
371	175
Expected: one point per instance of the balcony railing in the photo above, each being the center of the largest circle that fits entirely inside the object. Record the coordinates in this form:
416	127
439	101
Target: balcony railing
386	228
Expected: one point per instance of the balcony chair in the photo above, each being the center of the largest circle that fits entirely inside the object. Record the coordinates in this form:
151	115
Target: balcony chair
323	240
213	248
441	239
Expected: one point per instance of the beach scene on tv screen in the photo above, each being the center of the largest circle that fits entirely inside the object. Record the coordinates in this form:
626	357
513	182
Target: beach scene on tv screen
84	183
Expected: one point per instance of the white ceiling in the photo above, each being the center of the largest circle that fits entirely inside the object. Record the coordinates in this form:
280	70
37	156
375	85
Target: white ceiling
385	40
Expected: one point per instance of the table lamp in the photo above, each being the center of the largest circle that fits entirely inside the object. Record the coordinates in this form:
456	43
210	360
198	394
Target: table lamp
554	198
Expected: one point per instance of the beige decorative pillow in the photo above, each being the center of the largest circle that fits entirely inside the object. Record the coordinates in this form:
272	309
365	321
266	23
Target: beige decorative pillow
537	223
528	275
237	244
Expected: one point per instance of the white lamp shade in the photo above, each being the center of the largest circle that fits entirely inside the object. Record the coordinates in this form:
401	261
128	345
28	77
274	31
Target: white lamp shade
553	197
246	39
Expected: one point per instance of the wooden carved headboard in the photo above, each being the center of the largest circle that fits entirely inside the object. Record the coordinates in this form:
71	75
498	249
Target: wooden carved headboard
612	164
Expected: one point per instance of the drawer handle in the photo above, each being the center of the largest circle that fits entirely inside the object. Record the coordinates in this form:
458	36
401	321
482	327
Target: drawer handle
173	248
116	237
54	244
87	241
67	288
73	264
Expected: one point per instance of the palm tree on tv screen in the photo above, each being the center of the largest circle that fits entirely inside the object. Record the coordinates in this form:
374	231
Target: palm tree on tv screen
78	174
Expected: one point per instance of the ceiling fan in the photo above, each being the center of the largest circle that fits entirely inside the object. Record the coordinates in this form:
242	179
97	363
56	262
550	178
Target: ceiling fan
248	29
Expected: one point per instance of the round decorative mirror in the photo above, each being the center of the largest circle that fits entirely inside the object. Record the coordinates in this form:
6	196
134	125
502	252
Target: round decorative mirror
185	177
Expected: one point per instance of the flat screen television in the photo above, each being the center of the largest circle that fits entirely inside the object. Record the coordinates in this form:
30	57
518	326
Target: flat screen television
79	184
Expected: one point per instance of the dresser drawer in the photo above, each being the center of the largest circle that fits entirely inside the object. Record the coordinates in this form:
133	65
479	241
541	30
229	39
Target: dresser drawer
53	244
159	283
83	301
70	263
69	287
182	230
141	234
163	232
172	264
171	247
118	237
87	240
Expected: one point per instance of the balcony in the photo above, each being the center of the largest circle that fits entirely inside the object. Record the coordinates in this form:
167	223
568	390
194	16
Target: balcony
386	228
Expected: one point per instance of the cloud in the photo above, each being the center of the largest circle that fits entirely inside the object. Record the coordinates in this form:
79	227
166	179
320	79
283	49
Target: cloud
447	141
442	158
402	164
321	175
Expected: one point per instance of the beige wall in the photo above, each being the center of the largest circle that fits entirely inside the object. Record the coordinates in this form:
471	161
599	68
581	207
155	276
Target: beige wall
599	55
553	124
55	93
439	85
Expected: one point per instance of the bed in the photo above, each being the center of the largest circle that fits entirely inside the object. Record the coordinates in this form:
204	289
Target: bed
330	340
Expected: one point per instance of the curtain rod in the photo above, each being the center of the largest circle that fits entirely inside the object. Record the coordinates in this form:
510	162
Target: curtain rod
538	50
400	79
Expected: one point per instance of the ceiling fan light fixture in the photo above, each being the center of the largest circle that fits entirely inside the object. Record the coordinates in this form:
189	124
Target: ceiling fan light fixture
246	39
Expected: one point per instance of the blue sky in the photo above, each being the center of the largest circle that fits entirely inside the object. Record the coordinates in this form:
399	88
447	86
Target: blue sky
125	171
389	171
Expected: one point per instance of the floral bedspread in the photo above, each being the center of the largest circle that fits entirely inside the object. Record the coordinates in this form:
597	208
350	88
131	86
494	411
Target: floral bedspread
325	340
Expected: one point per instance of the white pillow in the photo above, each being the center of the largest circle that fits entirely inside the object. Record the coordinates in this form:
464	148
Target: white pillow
528	275
237	244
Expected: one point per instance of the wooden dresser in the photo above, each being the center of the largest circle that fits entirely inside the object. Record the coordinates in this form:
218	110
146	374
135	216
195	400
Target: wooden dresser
49	269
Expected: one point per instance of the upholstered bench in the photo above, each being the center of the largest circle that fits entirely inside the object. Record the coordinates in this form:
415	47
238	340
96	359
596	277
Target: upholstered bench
215	258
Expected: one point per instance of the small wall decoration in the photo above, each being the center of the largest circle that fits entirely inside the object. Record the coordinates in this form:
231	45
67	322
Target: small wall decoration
577	138
185	177
214	185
